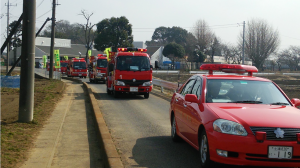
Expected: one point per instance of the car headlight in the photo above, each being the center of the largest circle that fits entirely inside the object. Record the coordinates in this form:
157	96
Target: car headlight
229	127
119	83
149	83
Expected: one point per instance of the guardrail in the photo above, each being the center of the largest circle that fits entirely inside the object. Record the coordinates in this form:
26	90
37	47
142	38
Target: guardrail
44	73
165	84
168	72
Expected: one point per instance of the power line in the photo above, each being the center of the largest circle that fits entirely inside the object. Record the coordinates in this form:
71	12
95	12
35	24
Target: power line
232	24
291	37
44	14
40	4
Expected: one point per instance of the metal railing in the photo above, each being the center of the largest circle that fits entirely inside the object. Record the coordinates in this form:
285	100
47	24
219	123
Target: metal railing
44	73
165	84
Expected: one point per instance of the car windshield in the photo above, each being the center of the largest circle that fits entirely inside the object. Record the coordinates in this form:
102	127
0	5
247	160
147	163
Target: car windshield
244	91
79	65
102	63
63	64
133	63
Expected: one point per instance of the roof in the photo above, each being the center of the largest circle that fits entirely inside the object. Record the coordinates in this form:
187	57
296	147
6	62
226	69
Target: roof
74	51
152	49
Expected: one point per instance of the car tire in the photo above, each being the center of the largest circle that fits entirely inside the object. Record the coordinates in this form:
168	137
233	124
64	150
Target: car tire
174	135
146	95
204	151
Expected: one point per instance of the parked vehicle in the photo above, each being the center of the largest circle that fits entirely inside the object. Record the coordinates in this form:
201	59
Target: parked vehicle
97	68
129	71
77	68
237	119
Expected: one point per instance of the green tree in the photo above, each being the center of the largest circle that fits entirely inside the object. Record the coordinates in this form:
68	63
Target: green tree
199	55
16	40
65	30
174	51
113	32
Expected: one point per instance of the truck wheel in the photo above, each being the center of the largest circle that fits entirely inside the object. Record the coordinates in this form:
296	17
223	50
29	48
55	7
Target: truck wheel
116	94
146	95
108	91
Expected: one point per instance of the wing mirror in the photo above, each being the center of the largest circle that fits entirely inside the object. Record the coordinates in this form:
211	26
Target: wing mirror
191	98
296	102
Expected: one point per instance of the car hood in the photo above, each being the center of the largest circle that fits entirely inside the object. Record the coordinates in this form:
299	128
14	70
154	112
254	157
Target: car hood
259	115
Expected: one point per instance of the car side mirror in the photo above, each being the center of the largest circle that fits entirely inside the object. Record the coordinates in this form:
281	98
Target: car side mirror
191	98
296	102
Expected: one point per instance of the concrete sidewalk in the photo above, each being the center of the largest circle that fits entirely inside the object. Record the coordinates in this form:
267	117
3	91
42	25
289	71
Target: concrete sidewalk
69	138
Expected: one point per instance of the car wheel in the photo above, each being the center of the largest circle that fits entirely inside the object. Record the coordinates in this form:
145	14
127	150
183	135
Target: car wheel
204	151
174	135
146	95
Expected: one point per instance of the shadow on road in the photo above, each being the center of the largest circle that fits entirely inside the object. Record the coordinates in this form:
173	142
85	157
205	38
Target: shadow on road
161	151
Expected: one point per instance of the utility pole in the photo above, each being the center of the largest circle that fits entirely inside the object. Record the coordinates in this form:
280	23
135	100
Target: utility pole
7	49
244	43
26	100
52	40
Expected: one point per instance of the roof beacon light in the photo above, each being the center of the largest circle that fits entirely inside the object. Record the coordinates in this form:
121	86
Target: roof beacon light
229	68
132	49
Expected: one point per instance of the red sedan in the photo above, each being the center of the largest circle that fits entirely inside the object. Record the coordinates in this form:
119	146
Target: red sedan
237	119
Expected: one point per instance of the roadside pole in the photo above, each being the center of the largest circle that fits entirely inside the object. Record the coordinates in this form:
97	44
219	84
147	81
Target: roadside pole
26	101
52	40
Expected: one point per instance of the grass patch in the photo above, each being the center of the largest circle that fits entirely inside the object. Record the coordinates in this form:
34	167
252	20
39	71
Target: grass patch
17	138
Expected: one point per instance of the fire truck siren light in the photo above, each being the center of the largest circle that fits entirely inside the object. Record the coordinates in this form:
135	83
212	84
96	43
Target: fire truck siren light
229	68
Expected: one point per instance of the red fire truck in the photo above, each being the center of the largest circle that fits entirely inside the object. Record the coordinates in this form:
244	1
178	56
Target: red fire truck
129	71
77	68
48	66
63	66
97	68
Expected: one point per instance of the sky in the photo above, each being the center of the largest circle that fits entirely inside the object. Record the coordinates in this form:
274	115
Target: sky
225	17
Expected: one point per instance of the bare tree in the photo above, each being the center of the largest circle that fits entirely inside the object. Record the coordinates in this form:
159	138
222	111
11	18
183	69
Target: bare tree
260	41
88	32
232	54
203	34
290	57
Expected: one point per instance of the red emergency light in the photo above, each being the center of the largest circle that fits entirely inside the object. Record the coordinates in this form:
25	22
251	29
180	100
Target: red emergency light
229	68
132	49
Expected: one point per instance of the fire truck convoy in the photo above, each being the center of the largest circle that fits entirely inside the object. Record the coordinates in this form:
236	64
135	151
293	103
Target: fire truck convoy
63	66
97	68
77	68
129	71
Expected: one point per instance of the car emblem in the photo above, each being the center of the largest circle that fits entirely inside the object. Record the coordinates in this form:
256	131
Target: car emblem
133	80
279	133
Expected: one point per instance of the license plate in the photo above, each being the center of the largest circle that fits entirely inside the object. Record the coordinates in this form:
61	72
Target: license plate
134	89
280	152
80	74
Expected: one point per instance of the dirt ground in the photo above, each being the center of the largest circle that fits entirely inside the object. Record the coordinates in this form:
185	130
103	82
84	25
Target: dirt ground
289	84
17	138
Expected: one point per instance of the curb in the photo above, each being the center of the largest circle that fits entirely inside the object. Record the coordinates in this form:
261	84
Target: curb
111	157
72	79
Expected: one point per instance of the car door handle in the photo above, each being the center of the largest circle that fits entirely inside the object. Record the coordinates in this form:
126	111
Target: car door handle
184	105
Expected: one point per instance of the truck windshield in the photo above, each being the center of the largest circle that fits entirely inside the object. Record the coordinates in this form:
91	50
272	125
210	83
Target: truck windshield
133	63
63	64
79	65
102	63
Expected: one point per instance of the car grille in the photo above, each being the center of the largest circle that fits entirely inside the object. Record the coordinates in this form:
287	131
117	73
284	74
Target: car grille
131	83
289	133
